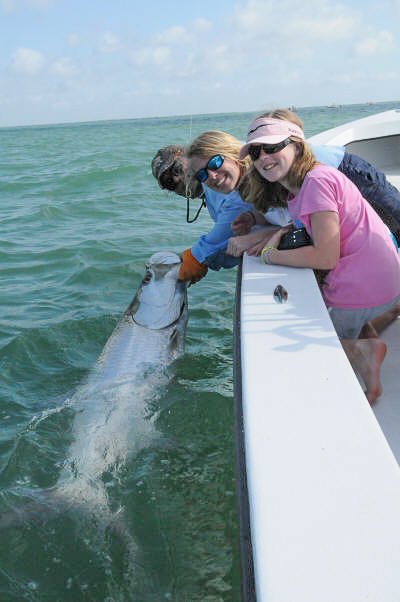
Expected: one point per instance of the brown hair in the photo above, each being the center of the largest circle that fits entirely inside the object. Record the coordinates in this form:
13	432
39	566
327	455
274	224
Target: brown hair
263	194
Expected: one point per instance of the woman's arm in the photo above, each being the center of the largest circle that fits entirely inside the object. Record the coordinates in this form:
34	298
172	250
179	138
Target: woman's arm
323	254
238	244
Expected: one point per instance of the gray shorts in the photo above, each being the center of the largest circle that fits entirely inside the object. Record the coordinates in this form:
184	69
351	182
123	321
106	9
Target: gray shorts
349	322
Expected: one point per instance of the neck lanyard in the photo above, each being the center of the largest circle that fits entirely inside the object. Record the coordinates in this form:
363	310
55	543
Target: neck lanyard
190	221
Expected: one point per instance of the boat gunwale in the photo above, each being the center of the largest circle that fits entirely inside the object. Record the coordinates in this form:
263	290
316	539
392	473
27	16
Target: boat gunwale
242	494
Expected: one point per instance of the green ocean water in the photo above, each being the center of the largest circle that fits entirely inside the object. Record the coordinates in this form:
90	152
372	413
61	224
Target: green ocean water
80	213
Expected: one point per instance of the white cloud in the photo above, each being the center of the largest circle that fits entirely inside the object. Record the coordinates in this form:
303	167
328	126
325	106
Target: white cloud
109	42
258	39
26	60
145	57
248	18
258	53
219	58
179	35
326	28
383	41
64	67
174	36
268	24
202	25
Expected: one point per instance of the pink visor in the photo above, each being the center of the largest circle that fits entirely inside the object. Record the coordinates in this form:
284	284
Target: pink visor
268	130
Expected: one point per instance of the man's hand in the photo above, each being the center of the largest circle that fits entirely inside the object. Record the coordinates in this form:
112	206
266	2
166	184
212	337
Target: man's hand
191	269
243	223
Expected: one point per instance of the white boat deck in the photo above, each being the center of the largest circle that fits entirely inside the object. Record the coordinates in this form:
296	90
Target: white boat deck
387	407
325	486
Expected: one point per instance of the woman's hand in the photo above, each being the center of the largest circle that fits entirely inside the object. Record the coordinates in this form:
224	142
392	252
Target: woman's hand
242	224
271	241
323	254
276	238
237	245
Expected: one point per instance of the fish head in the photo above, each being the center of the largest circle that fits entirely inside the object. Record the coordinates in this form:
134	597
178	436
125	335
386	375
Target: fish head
162	298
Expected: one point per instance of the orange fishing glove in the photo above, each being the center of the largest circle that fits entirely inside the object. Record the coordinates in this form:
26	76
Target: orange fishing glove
191	269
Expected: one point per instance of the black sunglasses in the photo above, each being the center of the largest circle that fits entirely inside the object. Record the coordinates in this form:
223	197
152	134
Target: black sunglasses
167	177
213	164
269	149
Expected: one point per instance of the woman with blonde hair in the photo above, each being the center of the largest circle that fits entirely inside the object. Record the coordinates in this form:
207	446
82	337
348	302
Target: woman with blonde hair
348	238
213	162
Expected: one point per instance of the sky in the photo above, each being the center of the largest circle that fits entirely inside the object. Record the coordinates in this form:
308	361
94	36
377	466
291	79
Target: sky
68	60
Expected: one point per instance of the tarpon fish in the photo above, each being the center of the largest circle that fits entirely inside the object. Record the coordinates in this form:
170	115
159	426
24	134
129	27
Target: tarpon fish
112	419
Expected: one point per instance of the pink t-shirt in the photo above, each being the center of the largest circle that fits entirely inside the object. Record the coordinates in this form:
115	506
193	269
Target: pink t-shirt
368	271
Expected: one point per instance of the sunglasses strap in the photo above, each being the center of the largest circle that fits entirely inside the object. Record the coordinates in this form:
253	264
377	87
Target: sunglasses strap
190	221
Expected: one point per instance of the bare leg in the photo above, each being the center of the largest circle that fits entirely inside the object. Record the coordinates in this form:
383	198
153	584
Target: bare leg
381	322
366	356
372	329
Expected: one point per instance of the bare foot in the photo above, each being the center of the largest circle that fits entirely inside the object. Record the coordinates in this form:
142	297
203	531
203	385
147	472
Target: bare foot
366	356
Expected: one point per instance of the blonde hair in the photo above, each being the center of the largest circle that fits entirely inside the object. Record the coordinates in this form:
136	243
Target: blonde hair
263	194
214	142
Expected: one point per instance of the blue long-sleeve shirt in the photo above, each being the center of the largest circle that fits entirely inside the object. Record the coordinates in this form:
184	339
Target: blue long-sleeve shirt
223	208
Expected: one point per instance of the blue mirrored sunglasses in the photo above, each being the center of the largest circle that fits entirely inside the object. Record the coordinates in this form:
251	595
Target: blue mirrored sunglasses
214	163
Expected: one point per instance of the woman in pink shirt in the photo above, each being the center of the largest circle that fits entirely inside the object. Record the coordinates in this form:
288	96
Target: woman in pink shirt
349	239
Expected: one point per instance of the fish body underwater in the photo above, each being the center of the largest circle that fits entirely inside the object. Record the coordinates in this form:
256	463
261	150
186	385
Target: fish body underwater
112	418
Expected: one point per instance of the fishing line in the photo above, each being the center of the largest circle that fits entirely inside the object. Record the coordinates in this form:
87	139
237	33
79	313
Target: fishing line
190	129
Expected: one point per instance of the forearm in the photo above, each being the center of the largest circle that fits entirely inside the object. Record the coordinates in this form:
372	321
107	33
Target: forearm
251	239
211	243
303	257
238	244
323	254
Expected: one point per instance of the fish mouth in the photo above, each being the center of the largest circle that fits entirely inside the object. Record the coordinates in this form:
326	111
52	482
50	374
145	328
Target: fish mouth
162	298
